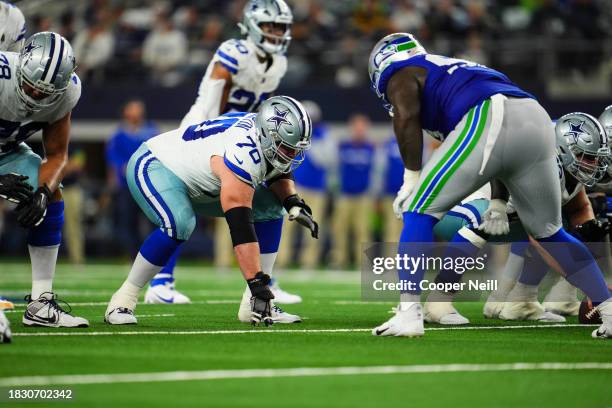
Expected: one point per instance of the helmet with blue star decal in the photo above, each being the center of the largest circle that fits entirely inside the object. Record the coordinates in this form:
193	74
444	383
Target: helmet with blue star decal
391	49
285	130
46	65
582	146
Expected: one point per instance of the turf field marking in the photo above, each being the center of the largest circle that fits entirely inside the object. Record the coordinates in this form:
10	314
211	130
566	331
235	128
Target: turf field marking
291	372
260	331
197	302
158	315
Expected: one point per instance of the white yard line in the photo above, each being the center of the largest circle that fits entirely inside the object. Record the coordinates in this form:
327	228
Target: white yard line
158	315
290	372
78	332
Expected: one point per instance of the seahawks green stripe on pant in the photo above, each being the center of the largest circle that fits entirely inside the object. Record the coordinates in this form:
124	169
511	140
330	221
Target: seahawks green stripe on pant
180	209
446	162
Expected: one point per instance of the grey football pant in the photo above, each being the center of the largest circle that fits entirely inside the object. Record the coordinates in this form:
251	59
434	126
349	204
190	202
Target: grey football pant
515	138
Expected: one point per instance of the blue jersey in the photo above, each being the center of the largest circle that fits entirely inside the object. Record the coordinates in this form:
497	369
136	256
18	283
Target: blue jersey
310	174
356	163
452	88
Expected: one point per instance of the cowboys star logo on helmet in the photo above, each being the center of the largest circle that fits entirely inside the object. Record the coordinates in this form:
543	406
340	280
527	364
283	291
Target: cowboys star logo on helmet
279	117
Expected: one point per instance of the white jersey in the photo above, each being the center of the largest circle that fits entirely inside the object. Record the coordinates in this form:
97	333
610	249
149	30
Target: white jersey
12	27
252	81
187	151
17	124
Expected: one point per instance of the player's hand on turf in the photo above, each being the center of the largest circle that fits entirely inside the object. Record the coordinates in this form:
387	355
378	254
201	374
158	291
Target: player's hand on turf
411	178
495	219
300	212
261	299
32	212
13	187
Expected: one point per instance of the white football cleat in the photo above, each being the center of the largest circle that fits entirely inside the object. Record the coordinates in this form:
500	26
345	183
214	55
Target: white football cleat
165	294
492	309
278	314
408	322
605	330
121	315
528	311
562	299
45	312
283	297
5	329
443	313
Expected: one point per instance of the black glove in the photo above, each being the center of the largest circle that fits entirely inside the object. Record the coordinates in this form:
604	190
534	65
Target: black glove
14	188
261	296
32	212
300	211
592	231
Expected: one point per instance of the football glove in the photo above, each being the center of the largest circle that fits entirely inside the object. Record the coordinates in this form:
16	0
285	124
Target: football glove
300	212
592	231
32	212
495	218
261	299
411	178
13	187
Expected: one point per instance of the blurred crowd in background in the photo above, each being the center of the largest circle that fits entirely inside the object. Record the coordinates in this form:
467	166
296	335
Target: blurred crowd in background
349	178
170	41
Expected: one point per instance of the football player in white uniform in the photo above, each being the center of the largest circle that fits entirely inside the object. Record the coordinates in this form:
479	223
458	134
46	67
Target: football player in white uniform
12	27
12	34
38	90
240	76
236	166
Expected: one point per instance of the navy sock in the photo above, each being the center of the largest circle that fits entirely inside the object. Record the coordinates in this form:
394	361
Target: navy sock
158	248
167	273
534	269
417	228
49	232
269	235
579	265
459	246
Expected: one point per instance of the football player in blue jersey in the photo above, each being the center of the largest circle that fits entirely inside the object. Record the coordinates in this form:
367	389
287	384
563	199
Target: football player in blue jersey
491	130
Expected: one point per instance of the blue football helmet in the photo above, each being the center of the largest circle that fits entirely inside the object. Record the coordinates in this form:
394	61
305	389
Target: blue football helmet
392	48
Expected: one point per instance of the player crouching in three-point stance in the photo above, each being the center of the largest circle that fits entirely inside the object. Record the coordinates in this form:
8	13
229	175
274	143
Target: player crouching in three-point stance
38	90
236	166
491	130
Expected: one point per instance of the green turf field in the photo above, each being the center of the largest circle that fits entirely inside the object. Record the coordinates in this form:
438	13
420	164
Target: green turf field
200	355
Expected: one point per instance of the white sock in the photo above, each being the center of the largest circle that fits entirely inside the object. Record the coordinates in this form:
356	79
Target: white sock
267	262
439	296
43	261
141	273
408	299
562	291
523	293
510	274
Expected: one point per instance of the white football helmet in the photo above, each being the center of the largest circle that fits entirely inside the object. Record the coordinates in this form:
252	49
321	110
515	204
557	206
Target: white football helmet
257	12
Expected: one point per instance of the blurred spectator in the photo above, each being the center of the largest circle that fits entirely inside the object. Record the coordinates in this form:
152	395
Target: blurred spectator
392	179
474	51
165	51
407	18
93	47
66	27
352	212
73	200
311	182
134	130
